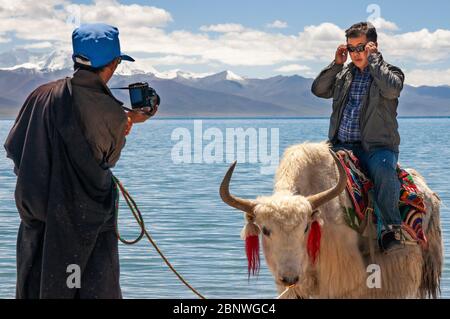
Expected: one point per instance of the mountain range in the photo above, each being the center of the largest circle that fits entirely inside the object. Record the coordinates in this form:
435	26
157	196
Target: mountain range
185	94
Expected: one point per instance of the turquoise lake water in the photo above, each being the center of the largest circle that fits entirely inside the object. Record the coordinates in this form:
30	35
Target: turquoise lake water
180	204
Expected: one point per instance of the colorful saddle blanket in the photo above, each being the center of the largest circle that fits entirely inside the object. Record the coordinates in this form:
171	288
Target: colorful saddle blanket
360	189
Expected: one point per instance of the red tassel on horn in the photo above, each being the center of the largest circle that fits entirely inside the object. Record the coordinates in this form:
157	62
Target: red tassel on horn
252	250
313	242
250	233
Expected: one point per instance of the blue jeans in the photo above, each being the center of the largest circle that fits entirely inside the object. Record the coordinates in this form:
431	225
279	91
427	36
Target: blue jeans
380	166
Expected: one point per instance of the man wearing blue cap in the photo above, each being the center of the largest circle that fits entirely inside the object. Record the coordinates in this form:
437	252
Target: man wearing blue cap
96	54
67	136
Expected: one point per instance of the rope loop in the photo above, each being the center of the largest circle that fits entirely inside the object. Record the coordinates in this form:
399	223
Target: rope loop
138	216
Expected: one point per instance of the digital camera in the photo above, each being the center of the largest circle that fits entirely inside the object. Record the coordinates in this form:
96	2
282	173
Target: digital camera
142	95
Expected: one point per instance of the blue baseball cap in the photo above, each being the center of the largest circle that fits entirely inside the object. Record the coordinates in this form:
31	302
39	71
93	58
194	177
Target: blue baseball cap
96	45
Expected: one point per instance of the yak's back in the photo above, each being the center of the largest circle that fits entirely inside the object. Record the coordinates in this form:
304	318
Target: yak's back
306	168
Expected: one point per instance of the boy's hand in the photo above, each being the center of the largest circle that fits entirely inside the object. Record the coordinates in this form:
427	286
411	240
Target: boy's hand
341	54
371	47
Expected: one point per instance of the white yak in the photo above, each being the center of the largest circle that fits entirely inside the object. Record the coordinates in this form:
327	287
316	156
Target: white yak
309	186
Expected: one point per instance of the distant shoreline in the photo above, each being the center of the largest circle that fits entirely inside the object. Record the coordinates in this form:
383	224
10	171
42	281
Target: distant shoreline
164	118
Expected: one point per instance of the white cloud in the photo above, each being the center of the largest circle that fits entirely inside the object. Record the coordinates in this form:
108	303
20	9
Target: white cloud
431	77
38	45
421	46
142	30
223	28
121	15
293	68
277	24
382	24
34	20
54	20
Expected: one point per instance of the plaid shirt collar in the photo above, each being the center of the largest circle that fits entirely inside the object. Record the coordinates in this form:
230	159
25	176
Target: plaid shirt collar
363	72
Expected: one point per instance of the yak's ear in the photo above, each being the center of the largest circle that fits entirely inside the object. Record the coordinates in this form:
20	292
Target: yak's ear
315	217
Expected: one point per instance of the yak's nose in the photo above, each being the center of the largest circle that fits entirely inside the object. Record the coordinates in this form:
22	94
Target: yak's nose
289	280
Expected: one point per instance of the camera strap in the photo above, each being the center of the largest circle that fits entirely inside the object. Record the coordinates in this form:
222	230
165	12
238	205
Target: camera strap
123	88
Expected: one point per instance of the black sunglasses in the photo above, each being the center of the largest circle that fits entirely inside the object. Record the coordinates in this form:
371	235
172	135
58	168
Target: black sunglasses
359	48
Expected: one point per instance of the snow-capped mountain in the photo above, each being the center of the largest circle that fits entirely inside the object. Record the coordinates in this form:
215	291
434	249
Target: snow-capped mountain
225	76
179	74
16	57
193	94
137	67
56	60
43	62
62	60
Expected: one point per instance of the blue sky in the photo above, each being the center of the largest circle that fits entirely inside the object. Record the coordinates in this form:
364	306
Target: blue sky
209	36
408	15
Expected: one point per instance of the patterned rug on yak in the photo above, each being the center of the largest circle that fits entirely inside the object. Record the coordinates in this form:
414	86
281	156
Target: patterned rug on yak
360	189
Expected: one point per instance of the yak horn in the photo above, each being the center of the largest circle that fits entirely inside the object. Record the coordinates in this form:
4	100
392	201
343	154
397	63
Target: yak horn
244	205
321	198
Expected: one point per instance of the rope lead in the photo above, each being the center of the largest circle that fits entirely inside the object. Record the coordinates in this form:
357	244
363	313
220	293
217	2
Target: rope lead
138	216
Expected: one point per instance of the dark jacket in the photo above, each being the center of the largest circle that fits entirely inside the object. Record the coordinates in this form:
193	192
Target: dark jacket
65	198
101	117
378	116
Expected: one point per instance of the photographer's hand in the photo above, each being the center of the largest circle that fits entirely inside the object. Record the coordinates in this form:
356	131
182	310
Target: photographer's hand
141	115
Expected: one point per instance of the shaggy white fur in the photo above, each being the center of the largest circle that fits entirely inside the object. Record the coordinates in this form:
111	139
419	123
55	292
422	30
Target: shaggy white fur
341	269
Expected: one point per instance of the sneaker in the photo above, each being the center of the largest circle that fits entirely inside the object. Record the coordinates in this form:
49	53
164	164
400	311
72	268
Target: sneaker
391	239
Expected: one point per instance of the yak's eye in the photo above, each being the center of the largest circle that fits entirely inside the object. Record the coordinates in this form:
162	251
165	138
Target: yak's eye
307	228
265	231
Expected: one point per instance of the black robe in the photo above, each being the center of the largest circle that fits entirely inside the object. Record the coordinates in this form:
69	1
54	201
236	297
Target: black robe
65	201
